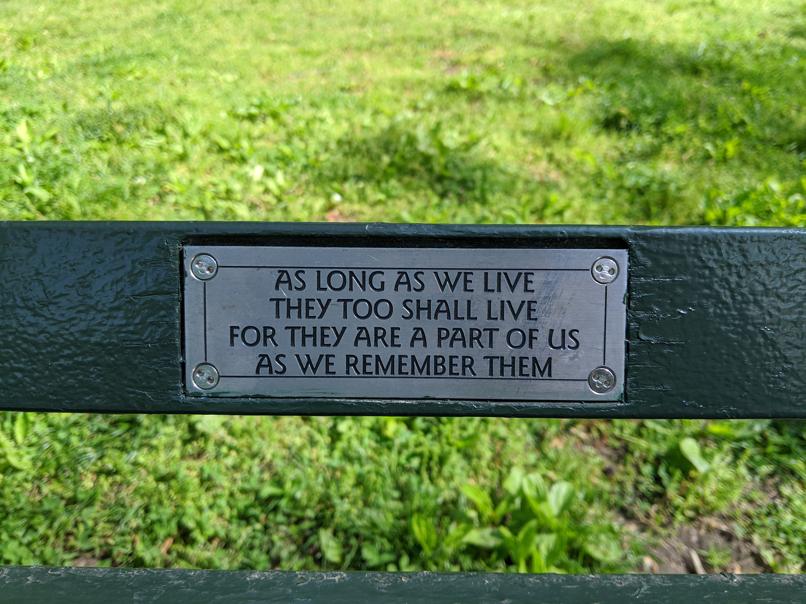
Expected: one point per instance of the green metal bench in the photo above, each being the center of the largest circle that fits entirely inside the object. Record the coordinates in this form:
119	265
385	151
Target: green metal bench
96	317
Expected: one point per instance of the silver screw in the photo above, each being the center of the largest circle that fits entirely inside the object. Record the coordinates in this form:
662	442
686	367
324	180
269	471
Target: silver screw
602	380
205	376
604	270
204	266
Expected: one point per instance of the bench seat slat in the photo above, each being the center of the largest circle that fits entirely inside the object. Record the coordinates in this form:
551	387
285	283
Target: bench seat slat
90	585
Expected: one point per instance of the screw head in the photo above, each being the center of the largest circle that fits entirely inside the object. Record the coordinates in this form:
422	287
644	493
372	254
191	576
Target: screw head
204	266
604	270
602	380
205	376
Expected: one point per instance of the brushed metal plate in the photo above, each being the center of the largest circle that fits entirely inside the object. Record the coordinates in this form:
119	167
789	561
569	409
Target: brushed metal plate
405	323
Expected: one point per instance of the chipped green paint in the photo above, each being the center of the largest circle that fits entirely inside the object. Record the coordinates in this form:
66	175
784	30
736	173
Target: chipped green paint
88	586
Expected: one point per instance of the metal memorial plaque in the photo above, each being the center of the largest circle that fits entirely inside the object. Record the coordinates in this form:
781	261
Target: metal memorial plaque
405	323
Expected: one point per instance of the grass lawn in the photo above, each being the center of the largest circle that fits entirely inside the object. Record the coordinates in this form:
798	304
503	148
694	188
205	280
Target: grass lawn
617	112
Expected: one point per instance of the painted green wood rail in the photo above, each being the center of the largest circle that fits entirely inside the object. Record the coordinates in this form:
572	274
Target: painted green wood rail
91	320
91	317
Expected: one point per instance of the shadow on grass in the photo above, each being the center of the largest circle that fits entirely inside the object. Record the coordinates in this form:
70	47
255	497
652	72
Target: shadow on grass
718	90
677	113
422	154
117	124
